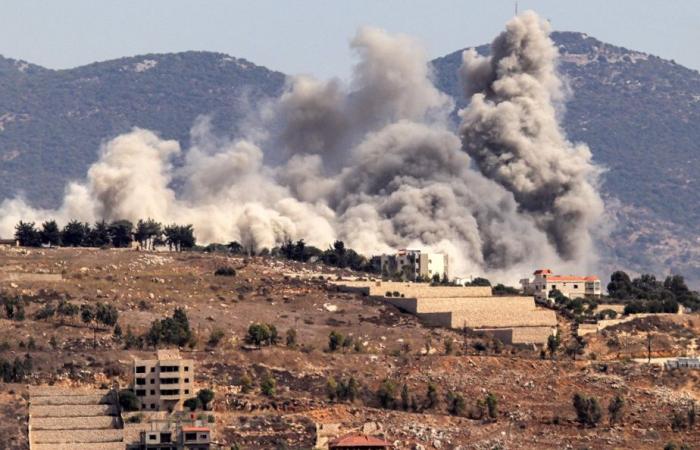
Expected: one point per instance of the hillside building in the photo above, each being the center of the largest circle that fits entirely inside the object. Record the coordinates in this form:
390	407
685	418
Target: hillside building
164	383
544	282
414	264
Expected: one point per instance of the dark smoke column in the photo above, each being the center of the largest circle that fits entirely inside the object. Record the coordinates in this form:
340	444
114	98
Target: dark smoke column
511	131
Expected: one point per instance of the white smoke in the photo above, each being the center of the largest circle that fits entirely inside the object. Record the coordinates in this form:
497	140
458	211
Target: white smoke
374	163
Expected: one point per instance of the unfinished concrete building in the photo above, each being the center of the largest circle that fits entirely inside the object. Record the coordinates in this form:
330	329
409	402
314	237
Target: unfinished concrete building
164	383
513	320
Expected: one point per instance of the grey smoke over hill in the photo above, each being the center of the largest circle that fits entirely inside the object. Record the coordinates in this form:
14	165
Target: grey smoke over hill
375	163
511	130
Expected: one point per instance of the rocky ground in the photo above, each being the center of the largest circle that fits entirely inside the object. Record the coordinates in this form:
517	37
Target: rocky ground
534	395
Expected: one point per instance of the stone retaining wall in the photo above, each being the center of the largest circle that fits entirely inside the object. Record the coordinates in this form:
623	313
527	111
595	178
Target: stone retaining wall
74	423
71	410
76	436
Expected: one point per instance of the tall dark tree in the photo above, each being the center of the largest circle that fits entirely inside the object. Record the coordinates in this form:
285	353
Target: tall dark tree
27	234
75	234
620	285
120	233
99	235
179	237
147	233
50	234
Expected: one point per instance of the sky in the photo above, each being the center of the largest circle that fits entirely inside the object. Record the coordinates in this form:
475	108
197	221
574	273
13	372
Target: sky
312	36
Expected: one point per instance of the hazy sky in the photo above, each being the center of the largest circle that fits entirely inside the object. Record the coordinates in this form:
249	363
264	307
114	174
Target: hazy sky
311	36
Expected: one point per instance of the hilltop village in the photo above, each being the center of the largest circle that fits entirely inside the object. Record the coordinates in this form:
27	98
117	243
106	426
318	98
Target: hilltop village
132	348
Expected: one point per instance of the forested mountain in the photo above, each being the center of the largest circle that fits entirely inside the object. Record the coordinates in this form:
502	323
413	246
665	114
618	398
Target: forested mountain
640	115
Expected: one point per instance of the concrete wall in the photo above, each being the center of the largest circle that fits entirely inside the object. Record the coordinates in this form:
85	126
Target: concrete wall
502	318
422	290
445	304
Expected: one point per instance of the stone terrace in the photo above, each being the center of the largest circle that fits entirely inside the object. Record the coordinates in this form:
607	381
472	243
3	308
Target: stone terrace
75	419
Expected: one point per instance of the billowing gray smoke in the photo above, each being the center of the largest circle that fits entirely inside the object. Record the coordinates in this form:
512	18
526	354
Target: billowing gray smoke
510	128
374	163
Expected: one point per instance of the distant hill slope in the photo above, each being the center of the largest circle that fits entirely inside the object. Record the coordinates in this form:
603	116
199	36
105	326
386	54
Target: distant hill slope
640	115
52	122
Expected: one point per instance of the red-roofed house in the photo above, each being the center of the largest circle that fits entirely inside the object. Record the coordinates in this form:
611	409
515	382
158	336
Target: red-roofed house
359	442
570	285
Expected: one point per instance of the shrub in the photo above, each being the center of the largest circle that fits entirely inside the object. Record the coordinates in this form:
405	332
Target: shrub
291	340
431	396
405	397
492	405
615	409
386	394
173	330
225	271
128	400
246	383
335	341
449	346
136	418
388	294
456	404
331	389
268	385
191	403
260	334
215	337
205	396
587	410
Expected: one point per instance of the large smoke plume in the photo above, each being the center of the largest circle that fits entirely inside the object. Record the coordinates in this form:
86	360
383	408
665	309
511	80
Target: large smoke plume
375	163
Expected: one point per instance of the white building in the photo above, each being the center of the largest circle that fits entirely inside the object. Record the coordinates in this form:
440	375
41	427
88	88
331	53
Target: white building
414	264
569	285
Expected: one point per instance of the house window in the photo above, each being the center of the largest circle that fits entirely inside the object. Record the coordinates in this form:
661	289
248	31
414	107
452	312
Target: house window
140	369
187	368
575	286
552	287
203	436
187	380
140	393
153	406
190	436
140	381
153	369
152	380
153	392
152	437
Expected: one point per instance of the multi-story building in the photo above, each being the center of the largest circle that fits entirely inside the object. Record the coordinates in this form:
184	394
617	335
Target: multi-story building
571	286
414	264
164	383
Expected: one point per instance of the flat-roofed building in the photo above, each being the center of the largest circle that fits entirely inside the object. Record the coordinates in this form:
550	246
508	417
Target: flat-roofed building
572	286
164	383
413	265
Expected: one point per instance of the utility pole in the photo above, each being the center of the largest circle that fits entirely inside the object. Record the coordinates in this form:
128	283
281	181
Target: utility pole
648	347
